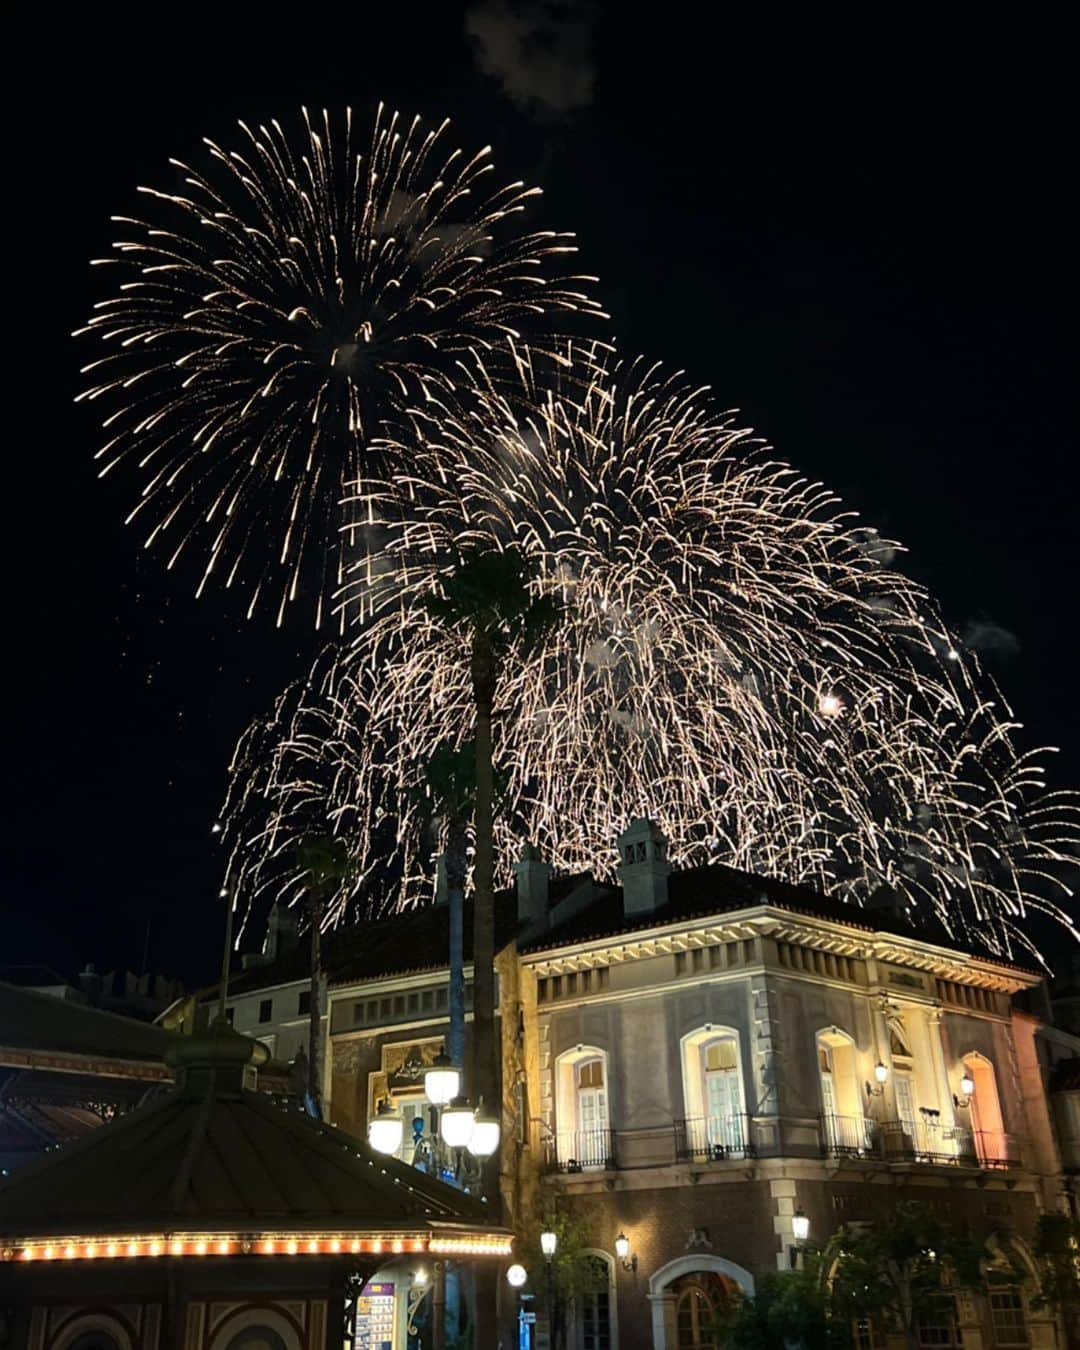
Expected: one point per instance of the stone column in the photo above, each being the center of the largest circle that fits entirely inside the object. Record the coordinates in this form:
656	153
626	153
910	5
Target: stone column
936	1017
665	1332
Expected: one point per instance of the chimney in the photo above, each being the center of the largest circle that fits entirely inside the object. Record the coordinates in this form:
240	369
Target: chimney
280	932
533	876
643	867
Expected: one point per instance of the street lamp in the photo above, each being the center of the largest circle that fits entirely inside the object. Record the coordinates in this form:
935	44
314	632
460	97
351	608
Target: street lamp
967	1091
484	1139
622	1251
800	1227
384	1129
549	1241
442	1080
457	1122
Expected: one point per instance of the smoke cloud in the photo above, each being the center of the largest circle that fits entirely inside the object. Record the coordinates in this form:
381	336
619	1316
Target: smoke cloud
540	51
989	638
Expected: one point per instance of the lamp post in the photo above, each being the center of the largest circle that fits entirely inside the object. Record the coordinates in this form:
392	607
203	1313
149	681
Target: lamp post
800	1228
549	1242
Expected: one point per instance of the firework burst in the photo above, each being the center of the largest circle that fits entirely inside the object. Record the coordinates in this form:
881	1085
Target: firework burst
739	661
277	307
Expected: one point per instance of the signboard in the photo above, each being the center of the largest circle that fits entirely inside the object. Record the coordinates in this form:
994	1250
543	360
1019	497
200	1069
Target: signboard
375	1318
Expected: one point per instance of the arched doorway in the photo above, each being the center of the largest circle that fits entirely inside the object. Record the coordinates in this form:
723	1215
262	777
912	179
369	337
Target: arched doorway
704	1304
693	1298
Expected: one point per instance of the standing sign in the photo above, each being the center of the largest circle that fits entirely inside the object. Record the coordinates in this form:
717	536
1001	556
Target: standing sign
375	1318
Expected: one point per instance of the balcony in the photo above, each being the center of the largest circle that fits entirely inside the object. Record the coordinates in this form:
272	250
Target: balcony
847	1136
714	1138
731	1139
580	1151
928	1141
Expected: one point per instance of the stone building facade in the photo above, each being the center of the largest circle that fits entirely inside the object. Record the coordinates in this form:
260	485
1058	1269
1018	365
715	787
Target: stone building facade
692	1058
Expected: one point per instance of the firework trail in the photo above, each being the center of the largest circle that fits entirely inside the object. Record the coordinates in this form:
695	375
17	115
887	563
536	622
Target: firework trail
276	307
739	661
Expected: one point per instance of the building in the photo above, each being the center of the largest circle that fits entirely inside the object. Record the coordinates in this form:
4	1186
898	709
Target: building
213	1219
691	1059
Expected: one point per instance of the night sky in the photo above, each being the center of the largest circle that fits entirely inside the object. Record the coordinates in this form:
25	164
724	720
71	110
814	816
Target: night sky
865	243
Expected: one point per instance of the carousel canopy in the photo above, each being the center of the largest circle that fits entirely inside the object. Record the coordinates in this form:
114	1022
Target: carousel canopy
211	1158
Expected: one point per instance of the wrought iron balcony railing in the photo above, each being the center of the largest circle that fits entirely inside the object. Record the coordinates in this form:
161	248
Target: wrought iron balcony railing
714	1138
580	1151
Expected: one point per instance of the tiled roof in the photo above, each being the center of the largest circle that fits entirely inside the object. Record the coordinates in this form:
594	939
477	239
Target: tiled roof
717	889
419	939
210	1155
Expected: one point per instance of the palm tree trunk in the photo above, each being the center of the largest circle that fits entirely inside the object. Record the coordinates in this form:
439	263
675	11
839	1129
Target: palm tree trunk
315	906
485	1069
455	888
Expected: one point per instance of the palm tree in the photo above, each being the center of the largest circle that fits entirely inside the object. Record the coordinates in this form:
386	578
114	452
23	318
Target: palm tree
489	598
324	865
448	790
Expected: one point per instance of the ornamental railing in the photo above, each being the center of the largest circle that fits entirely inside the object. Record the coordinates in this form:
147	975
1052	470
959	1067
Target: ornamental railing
580	1151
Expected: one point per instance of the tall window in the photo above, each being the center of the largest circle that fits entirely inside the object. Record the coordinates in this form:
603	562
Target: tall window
986	1122
582	1117
594	1306
266	1010
846	1128
713	1090
1007	1318
592	1112
937	1326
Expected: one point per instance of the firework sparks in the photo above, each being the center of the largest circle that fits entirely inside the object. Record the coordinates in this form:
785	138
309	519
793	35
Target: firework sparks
272	311
736	663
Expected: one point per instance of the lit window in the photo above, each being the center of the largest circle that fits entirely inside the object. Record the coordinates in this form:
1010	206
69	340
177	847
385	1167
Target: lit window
581	1100
1007	1317
714	1127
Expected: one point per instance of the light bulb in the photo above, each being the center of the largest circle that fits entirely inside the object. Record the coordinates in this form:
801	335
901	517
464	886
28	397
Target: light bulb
385	1129
456	1123
800	1226
622	1246
516	1276
549	1241
442	1080
485	1135
881	1073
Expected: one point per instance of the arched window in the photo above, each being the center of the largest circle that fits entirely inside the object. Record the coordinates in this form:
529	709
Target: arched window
93	1331
715	1124
594	1304
98	1339
582	1119
987	1126
257	1337
846	1128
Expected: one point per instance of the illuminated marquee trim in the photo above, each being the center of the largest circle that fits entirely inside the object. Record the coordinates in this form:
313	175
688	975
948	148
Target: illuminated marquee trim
132	1246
